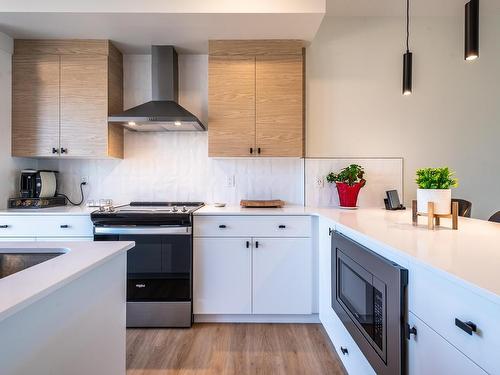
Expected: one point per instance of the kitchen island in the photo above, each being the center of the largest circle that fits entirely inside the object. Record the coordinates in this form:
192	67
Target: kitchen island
65	315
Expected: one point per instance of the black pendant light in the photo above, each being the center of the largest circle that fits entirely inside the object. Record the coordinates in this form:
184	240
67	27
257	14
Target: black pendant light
407	57
472	30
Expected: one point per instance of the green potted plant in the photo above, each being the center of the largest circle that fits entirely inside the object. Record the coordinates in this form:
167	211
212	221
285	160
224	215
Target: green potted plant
348	182
434	185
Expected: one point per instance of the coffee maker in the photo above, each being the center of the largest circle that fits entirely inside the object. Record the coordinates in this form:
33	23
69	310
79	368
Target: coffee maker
38	189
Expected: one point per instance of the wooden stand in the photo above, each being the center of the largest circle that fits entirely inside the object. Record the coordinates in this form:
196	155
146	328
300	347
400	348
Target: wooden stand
435	219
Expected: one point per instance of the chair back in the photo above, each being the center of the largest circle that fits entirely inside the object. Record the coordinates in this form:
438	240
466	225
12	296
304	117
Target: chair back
496	217
464	207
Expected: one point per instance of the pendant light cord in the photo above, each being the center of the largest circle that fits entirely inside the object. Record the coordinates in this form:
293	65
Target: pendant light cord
407	25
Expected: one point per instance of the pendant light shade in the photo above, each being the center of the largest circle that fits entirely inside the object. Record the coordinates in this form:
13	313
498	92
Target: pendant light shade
407	57
407	73
472	30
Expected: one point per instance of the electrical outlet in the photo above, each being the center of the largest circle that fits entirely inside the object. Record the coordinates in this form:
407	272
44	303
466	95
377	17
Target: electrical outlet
84	180
320	182
230	181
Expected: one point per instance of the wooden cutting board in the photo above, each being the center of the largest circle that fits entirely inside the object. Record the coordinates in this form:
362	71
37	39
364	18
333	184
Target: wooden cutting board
275	203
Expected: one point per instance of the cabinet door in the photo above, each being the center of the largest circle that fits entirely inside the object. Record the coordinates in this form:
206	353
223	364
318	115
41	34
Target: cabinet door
429	353
282	276
222	280
35	105
231	106
280	105
84	106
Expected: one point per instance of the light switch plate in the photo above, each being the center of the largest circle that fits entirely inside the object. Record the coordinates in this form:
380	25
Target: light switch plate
320	182
230	181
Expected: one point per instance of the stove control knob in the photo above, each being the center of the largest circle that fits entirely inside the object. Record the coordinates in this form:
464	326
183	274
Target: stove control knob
174	209
184	209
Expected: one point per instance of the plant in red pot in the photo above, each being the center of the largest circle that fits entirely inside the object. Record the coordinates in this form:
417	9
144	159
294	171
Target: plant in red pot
348	181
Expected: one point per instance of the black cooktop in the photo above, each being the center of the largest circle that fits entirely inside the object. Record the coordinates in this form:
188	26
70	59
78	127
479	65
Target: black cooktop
146	213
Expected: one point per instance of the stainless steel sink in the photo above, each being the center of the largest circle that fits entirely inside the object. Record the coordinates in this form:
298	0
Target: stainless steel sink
12	261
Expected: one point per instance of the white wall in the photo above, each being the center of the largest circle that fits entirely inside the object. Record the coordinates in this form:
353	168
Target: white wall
355	107
171	6
9	167
175	166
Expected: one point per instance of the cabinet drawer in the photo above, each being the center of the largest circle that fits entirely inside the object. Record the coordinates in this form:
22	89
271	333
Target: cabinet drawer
45	226
429	353
65	226
438	302
252	226
18	226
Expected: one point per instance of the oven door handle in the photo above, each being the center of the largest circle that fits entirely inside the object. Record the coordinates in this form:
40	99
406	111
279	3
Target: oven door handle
138	230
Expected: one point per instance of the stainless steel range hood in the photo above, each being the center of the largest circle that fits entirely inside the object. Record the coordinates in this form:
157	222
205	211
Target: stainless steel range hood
163	113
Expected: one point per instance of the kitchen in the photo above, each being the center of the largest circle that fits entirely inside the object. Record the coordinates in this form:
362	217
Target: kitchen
316	88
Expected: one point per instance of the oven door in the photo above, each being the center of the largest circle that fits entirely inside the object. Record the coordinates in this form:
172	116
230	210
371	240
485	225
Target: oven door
159	267
369	297
363	298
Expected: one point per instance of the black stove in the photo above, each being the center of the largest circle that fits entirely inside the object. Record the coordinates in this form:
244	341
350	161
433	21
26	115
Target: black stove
146	213
160	266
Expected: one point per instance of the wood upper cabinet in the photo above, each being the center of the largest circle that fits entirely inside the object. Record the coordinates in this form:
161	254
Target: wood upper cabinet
279	106
256	98
35	105
63	92
231	104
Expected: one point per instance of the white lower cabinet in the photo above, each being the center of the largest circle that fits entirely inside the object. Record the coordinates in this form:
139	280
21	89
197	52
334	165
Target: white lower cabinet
429	354
254	274
282	276
222	276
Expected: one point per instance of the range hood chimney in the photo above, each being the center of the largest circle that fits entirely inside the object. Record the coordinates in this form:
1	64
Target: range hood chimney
163	113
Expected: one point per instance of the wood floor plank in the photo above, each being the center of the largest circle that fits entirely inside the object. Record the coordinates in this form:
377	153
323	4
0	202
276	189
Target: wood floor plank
227	349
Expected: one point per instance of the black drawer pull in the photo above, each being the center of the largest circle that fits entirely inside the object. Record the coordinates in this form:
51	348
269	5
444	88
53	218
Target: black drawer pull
54	150
248	244
410	331
258	150
256	244
251	150
222	226
330	231
467	327
282	226
4	226
344	350
64	150
64	226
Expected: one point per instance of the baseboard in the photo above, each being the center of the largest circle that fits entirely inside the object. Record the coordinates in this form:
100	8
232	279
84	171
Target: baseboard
242	318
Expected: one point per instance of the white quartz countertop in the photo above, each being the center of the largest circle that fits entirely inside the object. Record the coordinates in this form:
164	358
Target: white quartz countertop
63	210
30	285
469	255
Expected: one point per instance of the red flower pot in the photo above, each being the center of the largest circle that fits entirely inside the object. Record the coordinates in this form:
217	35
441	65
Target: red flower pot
348	195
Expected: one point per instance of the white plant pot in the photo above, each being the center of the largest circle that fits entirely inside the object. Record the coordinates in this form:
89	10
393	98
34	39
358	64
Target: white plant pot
440	197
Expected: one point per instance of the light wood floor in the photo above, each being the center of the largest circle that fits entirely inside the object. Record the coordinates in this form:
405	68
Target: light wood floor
240	349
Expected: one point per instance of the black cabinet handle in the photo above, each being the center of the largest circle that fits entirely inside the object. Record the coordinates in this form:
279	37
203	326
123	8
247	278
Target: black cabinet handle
4	226
222	226
64	150
282	226
258	150
468	327
410	331
251	150
64	226
330	231
248	244
54	150
256	244
344	350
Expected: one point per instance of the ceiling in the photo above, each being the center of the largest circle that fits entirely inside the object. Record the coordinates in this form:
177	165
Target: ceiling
135	33
396	8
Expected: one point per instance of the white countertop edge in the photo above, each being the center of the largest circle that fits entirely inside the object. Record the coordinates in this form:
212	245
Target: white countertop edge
4	314
492	297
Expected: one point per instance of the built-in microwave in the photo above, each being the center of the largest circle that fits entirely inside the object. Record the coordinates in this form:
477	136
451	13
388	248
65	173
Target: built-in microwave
369	296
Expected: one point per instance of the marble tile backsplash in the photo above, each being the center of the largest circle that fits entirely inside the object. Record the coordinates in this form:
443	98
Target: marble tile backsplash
382	174
175	167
